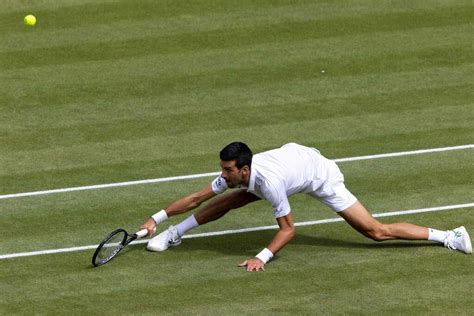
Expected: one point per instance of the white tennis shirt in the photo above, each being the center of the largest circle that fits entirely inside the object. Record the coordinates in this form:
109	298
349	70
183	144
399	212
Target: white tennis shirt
279	173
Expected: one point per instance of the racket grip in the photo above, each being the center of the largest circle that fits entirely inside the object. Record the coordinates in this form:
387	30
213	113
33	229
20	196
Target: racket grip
142	233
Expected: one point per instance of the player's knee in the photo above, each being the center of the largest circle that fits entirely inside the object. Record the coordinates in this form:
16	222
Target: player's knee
378	233
292	232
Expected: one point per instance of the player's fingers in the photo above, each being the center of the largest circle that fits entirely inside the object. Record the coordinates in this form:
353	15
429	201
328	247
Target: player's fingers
151	230
243	264
252	267
258	268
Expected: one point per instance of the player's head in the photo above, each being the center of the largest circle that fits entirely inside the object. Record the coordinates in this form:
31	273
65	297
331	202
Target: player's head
236	159
239	152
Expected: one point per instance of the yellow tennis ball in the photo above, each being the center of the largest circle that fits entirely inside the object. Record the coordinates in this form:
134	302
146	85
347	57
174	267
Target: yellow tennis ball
30	20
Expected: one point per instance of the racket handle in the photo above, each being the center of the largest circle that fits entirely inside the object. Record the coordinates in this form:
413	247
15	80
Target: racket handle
142	233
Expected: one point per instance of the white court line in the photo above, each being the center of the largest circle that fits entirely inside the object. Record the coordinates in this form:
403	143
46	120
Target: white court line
209	174
243	230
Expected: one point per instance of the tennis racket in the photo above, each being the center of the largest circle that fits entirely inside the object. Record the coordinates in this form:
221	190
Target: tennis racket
113	244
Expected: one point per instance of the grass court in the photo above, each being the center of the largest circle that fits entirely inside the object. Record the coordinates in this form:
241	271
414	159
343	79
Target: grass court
110	91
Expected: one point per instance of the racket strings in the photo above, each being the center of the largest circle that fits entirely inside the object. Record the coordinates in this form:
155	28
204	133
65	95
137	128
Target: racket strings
111	247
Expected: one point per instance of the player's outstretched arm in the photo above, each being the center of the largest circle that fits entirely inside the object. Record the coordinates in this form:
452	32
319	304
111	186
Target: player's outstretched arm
283	237
190	202
180	206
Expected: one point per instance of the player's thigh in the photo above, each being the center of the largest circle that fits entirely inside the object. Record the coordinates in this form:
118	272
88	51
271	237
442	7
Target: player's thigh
359	218
343	202
220	205
232	200
335	195
237	199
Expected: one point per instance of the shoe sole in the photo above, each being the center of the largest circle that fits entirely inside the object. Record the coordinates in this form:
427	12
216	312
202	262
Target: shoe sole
175	244
151	248
467	240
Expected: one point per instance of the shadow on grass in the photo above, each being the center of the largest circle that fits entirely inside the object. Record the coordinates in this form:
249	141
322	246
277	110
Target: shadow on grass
250	243
367	244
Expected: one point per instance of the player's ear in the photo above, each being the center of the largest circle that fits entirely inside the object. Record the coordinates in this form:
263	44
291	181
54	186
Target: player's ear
246	170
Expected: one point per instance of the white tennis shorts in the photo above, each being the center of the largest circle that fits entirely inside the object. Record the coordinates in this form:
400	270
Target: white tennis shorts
338	199
333	192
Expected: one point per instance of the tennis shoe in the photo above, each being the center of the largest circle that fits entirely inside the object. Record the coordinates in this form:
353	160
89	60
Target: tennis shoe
458	239
166	239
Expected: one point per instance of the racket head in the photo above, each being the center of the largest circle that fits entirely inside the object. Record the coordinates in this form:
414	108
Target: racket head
110	247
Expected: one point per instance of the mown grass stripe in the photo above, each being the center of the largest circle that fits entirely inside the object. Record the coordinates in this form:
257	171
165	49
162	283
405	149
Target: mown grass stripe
285	31
209	174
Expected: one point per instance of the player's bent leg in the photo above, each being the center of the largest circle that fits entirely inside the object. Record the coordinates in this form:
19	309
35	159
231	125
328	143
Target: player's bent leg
222	204
217	208
360	219
336	196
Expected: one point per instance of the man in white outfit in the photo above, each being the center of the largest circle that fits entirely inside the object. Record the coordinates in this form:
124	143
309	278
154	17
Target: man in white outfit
275	175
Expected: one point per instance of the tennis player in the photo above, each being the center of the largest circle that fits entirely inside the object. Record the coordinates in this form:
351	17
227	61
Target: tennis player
275	175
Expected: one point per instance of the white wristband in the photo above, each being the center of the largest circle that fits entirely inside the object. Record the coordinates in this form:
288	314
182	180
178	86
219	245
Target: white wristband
160	216
265	255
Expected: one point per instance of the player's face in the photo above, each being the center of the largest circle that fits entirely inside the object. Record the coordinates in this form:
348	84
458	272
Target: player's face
231	174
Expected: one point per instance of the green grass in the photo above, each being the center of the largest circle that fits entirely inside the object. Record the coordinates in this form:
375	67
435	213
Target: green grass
326	269
108	91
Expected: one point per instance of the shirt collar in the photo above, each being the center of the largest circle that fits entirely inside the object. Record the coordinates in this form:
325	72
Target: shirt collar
253	175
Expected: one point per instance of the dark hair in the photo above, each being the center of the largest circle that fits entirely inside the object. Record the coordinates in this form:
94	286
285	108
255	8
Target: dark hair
239	152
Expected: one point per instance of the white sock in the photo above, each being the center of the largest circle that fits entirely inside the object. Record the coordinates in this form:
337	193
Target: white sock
188	224
437	235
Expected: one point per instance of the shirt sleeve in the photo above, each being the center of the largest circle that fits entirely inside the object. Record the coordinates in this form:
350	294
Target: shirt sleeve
276	195
219	185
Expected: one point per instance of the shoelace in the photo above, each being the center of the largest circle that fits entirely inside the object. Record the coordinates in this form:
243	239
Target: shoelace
172	237
448	242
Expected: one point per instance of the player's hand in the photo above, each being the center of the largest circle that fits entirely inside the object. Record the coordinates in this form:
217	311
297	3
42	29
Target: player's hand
253	264
149	225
